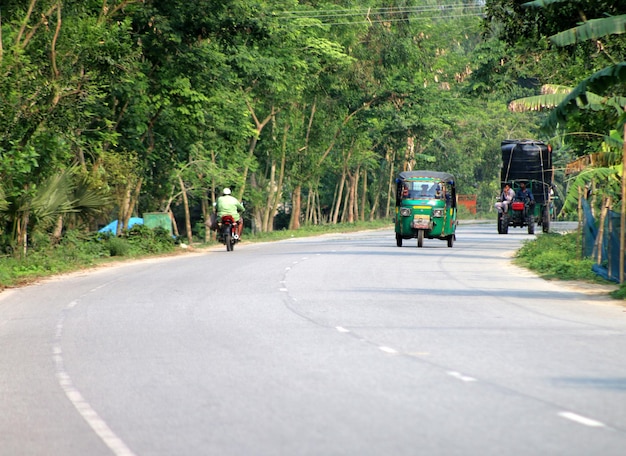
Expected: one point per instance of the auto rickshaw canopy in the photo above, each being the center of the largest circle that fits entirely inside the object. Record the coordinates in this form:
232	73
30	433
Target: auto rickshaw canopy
441	176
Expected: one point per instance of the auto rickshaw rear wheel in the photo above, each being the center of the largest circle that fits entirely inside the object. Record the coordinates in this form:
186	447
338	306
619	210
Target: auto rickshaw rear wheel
420	238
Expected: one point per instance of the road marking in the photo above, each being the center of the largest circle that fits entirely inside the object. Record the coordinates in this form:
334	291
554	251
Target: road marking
581	419
388	350
342	330
462	377
283	289
91	417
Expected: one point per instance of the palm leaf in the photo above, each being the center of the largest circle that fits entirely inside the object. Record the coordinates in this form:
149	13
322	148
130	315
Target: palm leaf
606	175
591	30
4	204
543	3
52	198
553	95
537	102
583	92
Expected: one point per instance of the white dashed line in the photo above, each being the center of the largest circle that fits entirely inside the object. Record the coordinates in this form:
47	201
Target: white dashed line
388	350
342	330
581	419
283	289
462	377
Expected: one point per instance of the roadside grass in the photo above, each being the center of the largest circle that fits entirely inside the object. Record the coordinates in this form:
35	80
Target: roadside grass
558	256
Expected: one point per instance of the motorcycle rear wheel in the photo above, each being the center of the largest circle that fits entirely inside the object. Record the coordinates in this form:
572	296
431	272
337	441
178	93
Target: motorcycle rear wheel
228	240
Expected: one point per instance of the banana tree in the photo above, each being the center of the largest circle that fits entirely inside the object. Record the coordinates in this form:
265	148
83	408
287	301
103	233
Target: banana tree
601	82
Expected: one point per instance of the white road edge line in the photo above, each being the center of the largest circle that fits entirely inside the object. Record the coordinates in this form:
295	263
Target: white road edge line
91	417
581	419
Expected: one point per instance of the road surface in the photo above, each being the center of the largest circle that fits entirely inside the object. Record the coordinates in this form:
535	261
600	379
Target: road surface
334	345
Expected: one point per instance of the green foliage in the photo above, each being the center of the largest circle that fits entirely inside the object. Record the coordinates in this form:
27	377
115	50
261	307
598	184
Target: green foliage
556	256
79	249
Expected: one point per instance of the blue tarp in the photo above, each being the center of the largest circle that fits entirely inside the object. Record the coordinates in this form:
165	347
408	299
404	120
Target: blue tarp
112	227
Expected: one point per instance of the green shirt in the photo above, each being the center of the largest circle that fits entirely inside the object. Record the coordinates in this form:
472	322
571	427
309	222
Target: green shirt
229	205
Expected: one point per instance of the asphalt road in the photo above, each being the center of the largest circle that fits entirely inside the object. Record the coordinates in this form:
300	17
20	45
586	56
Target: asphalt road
333	345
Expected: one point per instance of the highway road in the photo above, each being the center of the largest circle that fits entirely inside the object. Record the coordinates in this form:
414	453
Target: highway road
341	344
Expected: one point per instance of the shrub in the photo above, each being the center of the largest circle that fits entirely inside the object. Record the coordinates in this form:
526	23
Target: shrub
117	246
554	255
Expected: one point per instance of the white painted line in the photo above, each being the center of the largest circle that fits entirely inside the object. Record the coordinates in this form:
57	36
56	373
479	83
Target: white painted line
287	268
462	377
581	419
91	417
342	330
283	289
388	350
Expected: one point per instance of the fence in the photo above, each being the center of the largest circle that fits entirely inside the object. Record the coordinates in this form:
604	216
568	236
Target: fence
603	247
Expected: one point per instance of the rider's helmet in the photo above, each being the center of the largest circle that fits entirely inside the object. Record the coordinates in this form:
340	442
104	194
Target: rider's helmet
226	191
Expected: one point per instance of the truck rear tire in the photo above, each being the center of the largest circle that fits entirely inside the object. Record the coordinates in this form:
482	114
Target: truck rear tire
531	225
545	220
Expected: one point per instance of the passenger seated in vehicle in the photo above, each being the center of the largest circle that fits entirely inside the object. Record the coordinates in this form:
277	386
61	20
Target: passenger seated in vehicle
525	194
405	191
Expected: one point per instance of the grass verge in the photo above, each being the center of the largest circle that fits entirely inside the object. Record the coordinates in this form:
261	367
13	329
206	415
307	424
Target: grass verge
558	256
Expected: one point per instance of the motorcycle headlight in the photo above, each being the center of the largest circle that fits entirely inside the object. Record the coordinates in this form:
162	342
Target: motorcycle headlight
437	212
405	211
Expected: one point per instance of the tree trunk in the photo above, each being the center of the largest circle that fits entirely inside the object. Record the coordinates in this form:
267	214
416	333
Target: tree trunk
391	189
364	195
22	234
206	216
122	218
58	230
623	213
294	222
186	206
174	224
337	202
259	128
266	226
347	203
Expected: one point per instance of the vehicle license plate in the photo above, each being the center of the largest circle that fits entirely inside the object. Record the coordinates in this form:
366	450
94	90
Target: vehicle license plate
421	223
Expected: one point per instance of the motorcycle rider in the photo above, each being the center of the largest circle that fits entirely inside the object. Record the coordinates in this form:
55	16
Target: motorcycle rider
229	205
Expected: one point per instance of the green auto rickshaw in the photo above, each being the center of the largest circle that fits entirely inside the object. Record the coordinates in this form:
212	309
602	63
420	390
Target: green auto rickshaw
425	207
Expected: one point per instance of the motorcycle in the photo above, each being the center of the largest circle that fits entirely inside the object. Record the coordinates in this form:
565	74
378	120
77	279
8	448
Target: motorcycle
227	232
